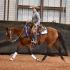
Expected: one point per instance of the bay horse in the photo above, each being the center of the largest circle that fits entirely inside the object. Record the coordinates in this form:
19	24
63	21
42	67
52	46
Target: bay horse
52	38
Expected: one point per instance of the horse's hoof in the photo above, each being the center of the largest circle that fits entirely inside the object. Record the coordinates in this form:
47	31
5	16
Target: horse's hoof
34	42
11	59
37	60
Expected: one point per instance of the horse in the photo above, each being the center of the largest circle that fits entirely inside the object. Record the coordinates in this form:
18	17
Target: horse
52	38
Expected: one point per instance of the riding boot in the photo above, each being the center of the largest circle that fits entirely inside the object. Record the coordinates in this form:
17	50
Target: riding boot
34	39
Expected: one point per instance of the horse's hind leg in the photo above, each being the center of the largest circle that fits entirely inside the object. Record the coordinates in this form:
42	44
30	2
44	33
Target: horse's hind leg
61	39
55	44
49	46
60	53
58	48
44	57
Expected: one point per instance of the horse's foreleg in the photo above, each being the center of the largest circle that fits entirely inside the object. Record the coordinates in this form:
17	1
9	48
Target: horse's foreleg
58	48
32	55
15	53
13	56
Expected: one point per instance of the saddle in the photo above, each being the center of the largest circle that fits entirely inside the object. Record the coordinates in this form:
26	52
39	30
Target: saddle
42	30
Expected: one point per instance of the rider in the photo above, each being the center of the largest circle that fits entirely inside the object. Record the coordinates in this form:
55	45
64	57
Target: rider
36	22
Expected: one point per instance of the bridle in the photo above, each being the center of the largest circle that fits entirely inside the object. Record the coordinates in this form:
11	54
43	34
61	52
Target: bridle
17	38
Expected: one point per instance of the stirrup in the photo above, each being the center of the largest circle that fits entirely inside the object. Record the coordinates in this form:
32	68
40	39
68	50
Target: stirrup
34	42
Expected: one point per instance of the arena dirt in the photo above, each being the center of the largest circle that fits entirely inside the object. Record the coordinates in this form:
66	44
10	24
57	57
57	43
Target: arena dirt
26	62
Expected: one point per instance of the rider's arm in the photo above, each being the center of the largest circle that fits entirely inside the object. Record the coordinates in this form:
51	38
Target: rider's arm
38	16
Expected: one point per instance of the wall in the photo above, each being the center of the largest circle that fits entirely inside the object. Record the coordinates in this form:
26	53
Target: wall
48	16
10	10
1	9
68	12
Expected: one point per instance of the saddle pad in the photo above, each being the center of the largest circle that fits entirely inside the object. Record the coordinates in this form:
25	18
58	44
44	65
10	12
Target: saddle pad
44	32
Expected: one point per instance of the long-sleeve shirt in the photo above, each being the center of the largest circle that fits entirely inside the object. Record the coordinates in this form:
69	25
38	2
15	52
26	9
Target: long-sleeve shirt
36	18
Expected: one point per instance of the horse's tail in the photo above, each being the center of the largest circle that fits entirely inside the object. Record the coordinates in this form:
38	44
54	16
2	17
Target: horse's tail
61	38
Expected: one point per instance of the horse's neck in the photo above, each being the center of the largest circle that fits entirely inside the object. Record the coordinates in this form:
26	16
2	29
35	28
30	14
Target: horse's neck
18	32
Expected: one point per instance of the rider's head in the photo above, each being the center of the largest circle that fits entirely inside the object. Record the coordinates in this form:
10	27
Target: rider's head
33	9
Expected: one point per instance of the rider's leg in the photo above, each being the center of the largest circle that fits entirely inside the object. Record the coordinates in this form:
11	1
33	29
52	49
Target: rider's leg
34	38
37	32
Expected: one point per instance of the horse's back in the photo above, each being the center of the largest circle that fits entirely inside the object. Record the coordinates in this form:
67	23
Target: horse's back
52	30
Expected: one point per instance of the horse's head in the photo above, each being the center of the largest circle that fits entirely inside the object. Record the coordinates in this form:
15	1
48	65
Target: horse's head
11	32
